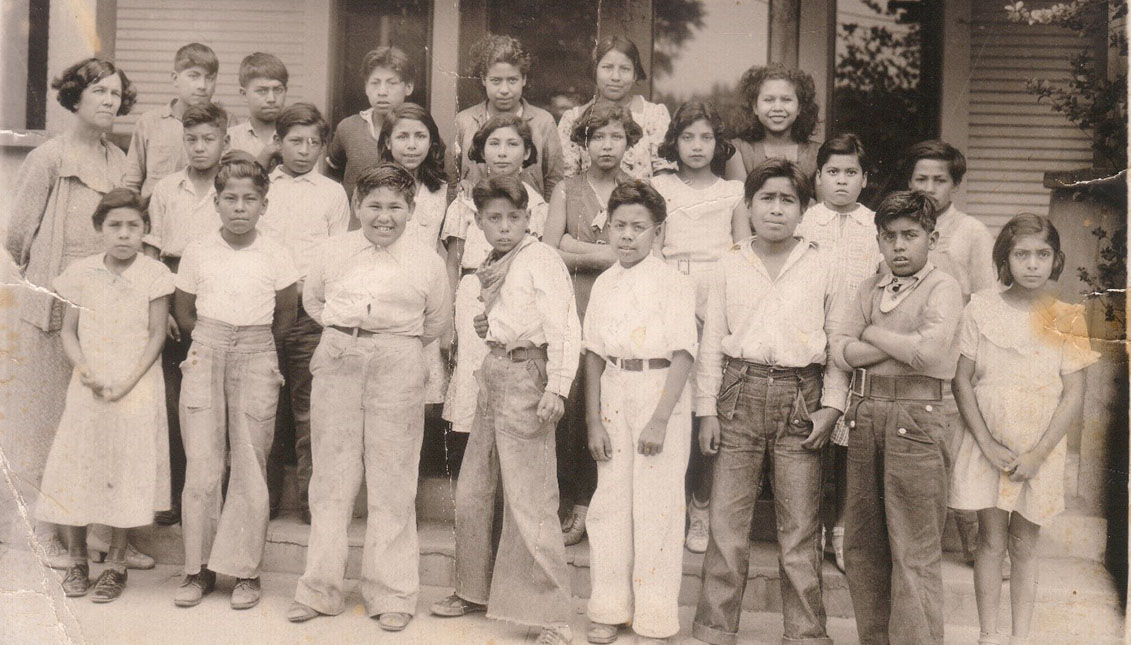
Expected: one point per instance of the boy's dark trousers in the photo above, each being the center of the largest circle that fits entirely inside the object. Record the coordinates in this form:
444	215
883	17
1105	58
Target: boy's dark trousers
172	355
763	417
577	472
898	475
296	348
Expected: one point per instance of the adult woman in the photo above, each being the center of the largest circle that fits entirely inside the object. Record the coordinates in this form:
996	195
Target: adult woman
58	187
617	69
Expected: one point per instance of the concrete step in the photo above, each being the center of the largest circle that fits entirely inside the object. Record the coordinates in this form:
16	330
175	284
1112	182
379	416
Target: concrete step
1077	599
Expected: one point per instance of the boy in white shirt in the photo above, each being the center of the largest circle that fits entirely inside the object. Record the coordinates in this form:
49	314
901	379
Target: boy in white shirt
845	229
235	295
534	336
767	391
640	339
306	208
380	297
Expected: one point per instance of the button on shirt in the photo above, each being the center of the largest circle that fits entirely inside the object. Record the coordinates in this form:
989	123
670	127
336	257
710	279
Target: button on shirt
178	215
783	321
646	311
400	289
536	307
304	211
965	251
927	318
235	286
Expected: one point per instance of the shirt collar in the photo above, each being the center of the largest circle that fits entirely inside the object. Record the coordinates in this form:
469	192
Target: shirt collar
279	171
167	110
185	183
481	115
127	273
361	243
803	246
825	215
890	278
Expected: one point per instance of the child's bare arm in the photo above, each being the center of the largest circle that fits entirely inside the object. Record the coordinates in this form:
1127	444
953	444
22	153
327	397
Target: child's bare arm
600	447
70	337
1068	410
740	228
652	437
158	319
286	310
963	386
735	169
184	311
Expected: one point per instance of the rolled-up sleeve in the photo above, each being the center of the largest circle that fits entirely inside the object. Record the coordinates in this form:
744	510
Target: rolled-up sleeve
709	366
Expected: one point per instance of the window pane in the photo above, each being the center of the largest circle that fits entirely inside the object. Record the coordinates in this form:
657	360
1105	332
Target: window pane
887	83
703	47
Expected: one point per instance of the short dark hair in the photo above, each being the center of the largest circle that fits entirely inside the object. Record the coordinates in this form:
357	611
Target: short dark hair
496	48
509	188
912	204
196	55
119	198
687	114
803	85
76	78
385	175
623	45
775	167
937	150
241	167
301	114
393	58
842	144
479	141
261	65
209	113
598	116
639	191
432	173
1026	224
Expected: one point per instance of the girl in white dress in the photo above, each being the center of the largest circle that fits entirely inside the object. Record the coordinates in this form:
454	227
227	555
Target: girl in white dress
410	137
698	230
109	462
505	145
1019	387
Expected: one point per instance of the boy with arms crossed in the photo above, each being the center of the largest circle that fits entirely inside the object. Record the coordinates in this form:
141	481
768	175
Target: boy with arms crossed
534	336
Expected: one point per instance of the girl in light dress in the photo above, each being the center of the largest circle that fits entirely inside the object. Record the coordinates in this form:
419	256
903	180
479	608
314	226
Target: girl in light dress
409	137
577	226
109	462
698	230
505	146
1019	388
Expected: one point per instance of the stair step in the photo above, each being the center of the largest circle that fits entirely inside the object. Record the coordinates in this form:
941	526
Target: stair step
1076	597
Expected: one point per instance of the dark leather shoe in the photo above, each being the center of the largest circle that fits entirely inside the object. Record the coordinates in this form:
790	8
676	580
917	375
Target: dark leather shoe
77	581
167	518
109	585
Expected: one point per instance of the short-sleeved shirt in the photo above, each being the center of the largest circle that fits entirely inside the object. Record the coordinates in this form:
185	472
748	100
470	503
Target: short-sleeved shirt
304	211
354	148
177	215
399	289
645	311
965	251
642	160
698	224
236	286
460	223
543	174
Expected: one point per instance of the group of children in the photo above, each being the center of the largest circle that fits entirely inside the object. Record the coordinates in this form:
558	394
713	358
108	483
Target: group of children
678	297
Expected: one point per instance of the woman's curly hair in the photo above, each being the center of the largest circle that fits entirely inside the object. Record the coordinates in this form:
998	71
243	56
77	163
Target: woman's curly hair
803	85
76	78
495	48
600	115
687	114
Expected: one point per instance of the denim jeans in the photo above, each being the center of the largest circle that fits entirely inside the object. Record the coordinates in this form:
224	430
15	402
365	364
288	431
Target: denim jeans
367	419
893	521
228	396
298	346
526	581
763	418
635	522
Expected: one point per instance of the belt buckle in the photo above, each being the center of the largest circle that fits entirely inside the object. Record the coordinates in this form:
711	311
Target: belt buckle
859	379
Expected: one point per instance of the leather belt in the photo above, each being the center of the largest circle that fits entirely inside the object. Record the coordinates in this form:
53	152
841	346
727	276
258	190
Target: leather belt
518	354
905	386
639	364
467	271
762	370
356	332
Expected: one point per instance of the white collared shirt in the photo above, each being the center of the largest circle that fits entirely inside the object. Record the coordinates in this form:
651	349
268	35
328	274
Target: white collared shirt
784	321
177	215
646	311
242	137
536	305
399	289
302	212
235	286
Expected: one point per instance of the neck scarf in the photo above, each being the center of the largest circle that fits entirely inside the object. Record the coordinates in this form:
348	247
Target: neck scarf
494	271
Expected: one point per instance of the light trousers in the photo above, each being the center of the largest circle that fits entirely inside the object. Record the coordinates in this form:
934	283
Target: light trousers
635	520
367	419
